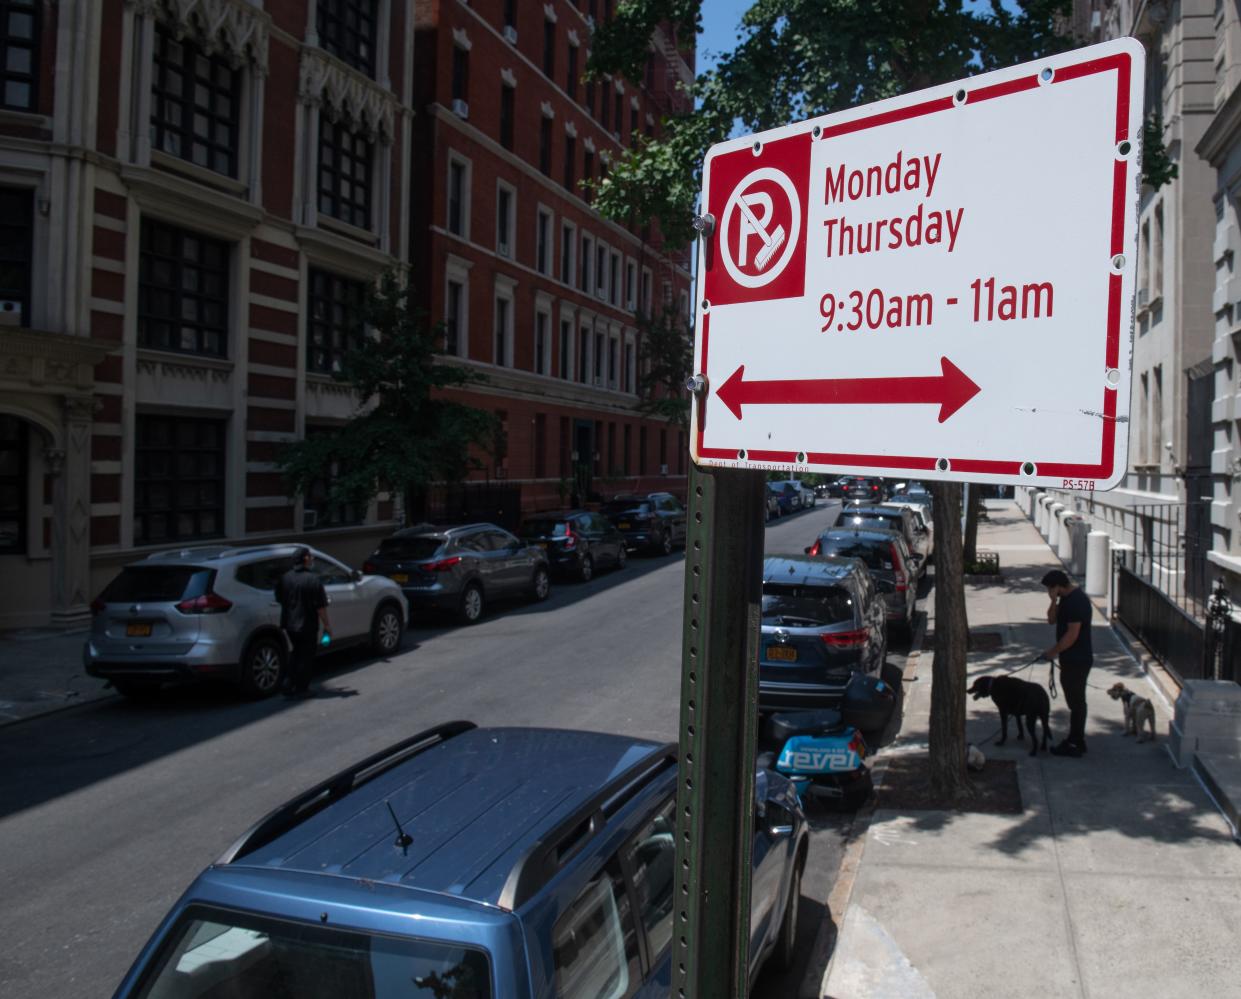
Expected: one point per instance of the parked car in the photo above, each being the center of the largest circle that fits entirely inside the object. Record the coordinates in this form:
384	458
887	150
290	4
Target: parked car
892	518
860	487
808	496
923	527
577	542
822	621
209	612
797	499
498	863
773	504
461	569
887	558
784	500
834	489
919	500
654	521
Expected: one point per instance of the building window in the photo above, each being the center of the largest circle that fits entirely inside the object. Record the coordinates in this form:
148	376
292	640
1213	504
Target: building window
508	96
627	371
178	478
583	355
13	487
631	280
344	173
510	13
19	52
601	273
620	115
506	199
600	354
633	124
460	74
570	83
317	501
453	314
182	290
549	49
588	173
570	156
545	146
568	240
16	251
590	97
194	105
605	111
504	337
458	198
543	241
614	287
566	349
645	301
542	334
613	362
587	270
334	321
347	29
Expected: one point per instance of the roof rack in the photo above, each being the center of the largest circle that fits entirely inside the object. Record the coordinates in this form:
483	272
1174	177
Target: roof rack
553	850
297	810
205	552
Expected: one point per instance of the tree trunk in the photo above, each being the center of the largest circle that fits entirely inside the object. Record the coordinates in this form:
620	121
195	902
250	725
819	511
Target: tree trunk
971	523
949	778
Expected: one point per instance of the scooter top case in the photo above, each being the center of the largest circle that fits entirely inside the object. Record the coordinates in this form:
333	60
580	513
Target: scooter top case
867	705
784	725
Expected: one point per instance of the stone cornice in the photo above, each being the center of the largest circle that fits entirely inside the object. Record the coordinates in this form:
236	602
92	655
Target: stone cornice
345	94
18	341
233	29
1224	130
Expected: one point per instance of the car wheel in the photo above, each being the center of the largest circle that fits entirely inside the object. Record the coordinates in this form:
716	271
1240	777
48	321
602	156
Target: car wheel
136	690
586	571
386	630
622	557
262	667
472	604
665	544
855	799
785	953
540	585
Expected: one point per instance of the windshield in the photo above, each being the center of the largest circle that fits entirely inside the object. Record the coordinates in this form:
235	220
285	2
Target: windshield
870	520
157	584
544	529
415	547
876	554
626	506
806	606
212	953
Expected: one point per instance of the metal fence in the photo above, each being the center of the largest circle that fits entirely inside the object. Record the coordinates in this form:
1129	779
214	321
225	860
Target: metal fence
1170	544
467	502
1175	638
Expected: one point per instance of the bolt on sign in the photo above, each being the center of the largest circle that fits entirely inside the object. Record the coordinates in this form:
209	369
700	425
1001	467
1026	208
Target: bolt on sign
939	285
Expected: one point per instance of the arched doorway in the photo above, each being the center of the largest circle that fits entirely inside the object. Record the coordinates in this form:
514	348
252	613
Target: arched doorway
14	485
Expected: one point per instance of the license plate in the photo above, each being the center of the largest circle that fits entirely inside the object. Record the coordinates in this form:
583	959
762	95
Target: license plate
399	577
782	653
624	525
138	630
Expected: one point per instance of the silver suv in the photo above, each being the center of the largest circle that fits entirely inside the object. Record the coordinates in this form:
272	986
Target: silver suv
210	613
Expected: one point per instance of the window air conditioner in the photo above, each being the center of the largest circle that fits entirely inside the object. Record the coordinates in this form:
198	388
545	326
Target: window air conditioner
663	469
310	519
1144	297
460	108
510	34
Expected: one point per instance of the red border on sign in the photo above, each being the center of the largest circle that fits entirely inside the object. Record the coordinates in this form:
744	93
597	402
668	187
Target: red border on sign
1122	64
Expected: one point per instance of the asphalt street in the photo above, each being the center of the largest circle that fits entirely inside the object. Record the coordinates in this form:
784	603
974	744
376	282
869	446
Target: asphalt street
108	811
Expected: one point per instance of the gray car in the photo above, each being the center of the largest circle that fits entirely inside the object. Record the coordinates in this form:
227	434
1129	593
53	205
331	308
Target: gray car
210	613
461	569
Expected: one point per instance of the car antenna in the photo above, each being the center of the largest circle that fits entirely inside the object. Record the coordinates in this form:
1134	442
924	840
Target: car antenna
403	839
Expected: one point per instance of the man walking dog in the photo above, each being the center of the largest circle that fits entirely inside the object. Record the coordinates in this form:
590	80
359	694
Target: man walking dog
1070	612
303	607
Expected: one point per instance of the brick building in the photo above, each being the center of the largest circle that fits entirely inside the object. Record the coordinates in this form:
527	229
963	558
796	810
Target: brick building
192	195
538	291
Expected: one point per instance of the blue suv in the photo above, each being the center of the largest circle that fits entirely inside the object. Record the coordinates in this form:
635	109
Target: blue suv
465	862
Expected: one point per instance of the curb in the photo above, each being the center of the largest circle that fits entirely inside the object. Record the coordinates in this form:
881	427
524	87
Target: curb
58	710
842	892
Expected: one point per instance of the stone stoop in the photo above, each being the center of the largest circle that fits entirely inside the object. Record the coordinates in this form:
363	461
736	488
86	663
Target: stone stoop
1220	775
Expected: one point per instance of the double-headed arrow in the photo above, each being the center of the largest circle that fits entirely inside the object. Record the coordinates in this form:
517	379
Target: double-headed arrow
950	391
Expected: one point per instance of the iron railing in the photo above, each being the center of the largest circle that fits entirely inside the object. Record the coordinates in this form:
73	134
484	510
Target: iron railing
1174	637
1170	544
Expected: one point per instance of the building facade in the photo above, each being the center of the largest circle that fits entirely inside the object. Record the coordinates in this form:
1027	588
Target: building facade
537	291
193	194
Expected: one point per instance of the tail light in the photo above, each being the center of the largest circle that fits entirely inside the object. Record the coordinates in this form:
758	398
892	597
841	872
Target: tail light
855	639
208	603
816	548
858	744
443	565
96	606
368	568
570	539
902	581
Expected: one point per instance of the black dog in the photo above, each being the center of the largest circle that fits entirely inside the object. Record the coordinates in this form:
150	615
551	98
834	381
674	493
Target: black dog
1019	699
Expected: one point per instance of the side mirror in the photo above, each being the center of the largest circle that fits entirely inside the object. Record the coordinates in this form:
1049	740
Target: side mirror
357	575
806	550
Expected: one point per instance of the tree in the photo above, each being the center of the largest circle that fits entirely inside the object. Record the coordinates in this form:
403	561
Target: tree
795	59
665	362
404	435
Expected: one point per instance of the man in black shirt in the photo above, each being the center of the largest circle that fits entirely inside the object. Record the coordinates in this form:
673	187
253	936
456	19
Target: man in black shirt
1070	612
303	607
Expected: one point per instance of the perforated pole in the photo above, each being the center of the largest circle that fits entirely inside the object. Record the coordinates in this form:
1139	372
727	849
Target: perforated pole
719	716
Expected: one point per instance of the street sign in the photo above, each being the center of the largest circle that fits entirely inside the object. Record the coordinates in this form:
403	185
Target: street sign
938	286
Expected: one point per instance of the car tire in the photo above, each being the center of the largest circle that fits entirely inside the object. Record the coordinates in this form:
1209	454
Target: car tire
855	799
386	630
784	955
665	544
622	557
540	585
472	604
136	690
586	571
262	667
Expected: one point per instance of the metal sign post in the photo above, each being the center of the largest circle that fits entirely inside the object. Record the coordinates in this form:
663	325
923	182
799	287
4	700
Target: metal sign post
719	717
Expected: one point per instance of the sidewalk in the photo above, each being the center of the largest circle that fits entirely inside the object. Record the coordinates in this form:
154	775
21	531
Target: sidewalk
1120	877
41	671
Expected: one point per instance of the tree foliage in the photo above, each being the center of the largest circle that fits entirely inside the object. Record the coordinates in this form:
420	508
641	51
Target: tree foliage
404	435
1158	168
665	362
795	59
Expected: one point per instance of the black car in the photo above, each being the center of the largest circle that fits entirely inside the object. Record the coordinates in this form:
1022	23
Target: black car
654	521
460	569
831	490
891	518
860	487
577	541
822	621
887	558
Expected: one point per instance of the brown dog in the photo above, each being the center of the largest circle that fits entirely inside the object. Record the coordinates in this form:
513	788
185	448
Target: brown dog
1139	711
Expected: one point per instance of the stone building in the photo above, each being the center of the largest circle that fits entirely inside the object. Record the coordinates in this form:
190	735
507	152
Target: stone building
193	193
537	290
